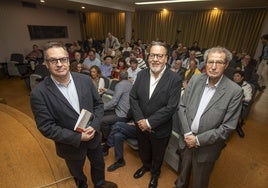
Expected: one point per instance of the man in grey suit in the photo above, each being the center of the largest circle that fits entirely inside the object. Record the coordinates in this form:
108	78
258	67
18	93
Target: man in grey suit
209	110
153	99
56	104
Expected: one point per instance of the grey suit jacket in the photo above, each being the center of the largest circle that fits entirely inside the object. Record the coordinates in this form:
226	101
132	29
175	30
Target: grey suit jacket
218	120
163	103
56	118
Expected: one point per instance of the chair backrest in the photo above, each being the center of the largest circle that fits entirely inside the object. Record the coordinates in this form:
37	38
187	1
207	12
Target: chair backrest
113	84
17	57
34	80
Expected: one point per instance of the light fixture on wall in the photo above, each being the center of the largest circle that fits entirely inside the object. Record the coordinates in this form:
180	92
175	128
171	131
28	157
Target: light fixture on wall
167	1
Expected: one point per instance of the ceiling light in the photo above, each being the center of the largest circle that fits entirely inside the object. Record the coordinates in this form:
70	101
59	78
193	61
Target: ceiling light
168	1
83	7
42	1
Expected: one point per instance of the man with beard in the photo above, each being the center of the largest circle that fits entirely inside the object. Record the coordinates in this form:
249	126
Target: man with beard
153	99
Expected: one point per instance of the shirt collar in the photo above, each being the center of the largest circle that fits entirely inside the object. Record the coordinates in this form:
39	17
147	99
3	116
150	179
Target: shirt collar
216	85
59	83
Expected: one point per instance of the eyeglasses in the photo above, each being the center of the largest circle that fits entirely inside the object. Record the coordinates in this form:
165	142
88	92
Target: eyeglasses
211	62
62	60
158	56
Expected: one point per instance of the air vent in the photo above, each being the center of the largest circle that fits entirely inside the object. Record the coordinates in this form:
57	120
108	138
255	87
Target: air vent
28	4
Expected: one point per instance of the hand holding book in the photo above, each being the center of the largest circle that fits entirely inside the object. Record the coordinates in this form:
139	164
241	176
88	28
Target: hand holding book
84	121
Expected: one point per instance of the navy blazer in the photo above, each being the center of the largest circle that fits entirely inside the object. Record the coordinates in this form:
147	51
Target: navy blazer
160	108
56	118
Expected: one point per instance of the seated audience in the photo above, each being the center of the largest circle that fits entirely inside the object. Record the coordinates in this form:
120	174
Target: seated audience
90	61
186	62
35	57
247	90
76	67
190	72
121	65
133	70
195	47
133	55
98	81
117	108
177	67
127	47
173	58
107	67
119	133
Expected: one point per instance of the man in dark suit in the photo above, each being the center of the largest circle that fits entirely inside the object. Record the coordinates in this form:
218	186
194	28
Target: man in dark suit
56	104
209	110
153	99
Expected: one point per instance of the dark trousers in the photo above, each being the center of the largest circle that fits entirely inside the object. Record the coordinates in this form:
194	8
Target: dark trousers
200	172
108	120
119	133
95	157
152	151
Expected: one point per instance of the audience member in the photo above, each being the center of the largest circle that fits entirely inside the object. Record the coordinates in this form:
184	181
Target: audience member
111	42
35	57
173	58
126	47
190	72
184	53
209	110
133	70
117	108
263	66
154	99
90	61
107	67
177	67
96	76
195	47
133	55
119	133
76	67
186	62
121	65
56	104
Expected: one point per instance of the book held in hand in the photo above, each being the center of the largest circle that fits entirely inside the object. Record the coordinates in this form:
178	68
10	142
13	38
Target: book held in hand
84	120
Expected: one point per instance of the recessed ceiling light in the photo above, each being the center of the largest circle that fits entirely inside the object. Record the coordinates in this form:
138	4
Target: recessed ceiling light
83	7
42	1
168	1
215	8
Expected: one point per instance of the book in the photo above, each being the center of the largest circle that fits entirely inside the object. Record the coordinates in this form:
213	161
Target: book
84	120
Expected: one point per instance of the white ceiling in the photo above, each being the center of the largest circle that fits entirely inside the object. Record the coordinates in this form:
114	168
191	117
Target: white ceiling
128	5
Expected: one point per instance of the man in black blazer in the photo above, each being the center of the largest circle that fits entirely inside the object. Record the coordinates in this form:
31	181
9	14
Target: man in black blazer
153	100
56	104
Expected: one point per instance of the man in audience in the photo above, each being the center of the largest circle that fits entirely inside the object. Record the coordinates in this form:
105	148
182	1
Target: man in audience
177	67
173	58
119	133
263	66
107	67
190	72
133	70
111	42
132	56
90	60
209	110
238	78
154	99
186	62
35	57
56	104
117	108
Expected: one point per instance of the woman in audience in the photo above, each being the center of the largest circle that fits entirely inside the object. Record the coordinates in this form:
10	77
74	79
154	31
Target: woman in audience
121	65
76	66
95	74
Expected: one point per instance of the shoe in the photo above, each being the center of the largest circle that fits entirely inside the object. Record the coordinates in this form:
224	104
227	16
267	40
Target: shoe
107	184
105	149
140	172
240	132
153	182
116	165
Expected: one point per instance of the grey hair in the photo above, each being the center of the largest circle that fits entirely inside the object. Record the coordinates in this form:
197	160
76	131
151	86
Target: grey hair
54	45
123	75
218	49
158	43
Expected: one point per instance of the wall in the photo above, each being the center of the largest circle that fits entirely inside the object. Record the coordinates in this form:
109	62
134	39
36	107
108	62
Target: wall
14	18
264	32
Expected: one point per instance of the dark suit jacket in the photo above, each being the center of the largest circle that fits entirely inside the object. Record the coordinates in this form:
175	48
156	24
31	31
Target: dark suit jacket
160	108
56	118
218	120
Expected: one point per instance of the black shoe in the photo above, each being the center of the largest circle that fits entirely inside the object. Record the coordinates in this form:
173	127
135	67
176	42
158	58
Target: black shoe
240	131
105	149
107	184
116	165
153	182
140	172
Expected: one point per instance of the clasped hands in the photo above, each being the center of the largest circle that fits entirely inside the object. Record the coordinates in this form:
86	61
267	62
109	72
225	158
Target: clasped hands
143	125
88	134
190	141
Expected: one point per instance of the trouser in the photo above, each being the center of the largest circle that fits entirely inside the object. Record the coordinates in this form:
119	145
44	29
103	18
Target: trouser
95	157
119	133
108	120
152	151
199	171
262	72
